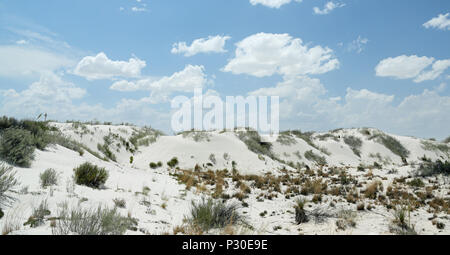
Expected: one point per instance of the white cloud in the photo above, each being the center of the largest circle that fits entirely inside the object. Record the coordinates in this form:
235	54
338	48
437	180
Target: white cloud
101	67
20	60
138	9
266	54
211	44
306	104
412	67
273	3
358	44
440	22
49	94
437	69
183	81
329	6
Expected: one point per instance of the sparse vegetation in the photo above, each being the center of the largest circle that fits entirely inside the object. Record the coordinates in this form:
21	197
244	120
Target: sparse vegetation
430	168
102	221
197	136
48	178
38	216
254	143
7	183
17	147
90	175
354	143
154	165
208	214
300	214
310	155
392	144
173	162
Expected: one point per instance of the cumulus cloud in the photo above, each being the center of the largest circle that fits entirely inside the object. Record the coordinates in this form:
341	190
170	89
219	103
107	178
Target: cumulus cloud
101	67
183	81
20	60
306	104
266	54
329	6
212	44
409	67
273	3
441	22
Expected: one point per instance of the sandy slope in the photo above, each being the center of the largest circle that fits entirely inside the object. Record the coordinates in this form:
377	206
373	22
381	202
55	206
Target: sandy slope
127	180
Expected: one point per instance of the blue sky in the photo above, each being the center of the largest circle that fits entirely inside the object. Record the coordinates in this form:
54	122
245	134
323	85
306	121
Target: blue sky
348	63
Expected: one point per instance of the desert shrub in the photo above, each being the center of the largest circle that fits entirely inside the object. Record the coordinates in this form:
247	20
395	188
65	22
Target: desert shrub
7	183
346	219
197	136
120	202
48	178
300	214
105	148
90	175
392	144
402	226
435	146
310	155
102	221
447	140
429	168
16	147
285	139
65	141
154	165
38	215
144	136
354	143
254	143
208	214
212	158
173	162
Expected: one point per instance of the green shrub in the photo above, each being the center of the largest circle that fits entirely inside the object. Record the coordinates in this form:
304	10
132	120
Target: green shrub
16	147
254	143
392	144
300	214
48	178
90	175
208	214
310	155
447	140
354	143
38	216
173	162
102	221
429	168
7	182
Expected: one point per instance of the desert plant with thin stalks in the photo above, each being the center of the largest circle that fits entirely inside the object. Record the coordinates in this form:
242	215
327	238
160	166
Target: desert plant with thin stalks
310	155
119	202
300	214
13	220
48	178
402	221
7	183
346	219
37	218
100	221
209	214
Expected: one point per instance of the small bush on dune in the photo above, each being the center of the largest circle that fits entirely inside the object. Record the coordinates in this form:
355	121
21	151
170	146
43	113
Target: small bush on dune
16	147
354	143
447	140
102	221
310	155
173	162
90	175
392	144
208	214
429	168
48	178
7	182
300	214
